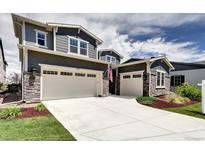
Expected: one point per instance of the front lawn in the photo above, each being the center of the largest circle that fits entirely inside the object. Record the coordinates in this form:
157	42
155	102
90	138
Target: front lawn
43	128
191	110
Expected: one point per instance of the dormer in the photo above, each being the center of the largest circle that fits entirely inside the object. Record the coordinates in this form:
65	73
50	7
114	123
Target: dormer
110	55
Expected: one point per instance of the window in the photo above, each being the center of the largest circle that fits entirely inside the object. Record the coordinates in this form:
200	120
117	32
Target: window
111	59
83	48
91	75
67	73
50	72
126	76
78	46
160	79
41	38
136	76
177	80
80	74
73	45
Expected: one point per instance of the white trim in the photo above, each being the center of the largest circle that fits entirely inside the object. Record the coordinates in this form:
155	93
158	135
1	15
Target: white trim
160	78
41	84
45	34
58	53
54	38
23	33
26	60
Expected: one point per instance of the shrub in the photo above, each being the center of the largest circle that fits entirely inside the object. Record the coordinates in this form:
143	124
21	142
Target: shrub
10	113
145	100
189	91
174	98
40	107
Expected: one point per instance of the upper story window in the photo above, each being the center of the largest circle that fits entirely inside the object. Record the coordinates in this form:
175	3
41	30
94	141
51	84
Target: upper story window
73	45
41	38
160	79
111	59
78	46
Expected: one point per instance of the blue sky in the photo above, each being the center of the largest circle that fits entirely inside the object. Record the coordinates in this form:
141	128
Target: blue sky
181	37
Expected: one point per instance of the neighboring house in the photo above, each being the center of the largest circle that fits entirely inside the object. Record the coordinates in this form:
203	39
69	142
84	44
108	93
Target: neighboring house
187	72
110	55
59	61
3	63
148	77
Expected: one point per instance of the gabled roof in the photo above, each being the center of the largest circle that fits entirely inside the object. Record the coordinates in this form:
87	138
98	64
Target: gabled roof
19	19
112	50
76	26
179	66
138	61
2	50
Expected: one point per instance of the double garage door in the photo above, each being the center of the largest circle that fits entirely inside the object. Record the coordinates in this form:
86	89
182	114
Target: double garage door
61	83
131	84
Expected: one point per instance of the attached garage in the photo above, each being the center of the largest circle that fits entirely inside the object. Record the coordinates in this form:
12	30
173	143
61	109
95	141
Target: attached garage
67	82
131	83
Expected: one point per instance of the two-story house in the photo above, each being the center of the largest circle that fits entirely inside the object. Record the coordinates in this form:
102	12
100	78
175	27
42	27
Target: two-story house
62	61
3	63
59	61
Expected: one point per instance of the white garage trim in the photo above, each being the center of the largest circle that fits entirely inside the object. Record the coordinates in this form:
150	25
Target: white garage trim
130	85
59	69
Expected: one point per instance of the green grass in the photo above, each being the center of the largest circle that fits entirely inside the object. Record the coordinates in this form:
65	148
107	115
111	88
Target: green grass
145	100
45	128
191	110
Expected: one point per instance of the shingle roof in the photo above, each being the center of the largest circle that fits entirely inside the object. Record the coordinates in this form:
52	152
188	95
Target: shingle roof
186	66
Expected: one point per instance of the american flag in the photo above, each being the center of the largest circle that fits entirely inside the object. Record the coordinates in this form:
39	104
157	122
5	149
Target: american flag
110	74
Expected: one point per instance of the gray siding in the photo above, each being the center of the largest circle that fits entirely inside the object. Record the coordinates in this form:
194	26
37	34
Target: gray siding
92	51
104	53
31	35
62	40
62	43
36	58
161	65
132	68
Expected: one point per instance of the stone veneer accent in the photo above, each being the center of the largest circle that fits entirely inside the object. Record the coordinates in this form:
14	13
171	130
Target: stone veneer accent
117	82
159	91
146	84
31	87
105	87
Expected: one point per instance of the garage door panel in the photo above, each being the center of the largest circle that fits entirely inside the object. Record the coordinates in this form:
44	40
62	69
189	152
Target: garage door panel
67	86
131	84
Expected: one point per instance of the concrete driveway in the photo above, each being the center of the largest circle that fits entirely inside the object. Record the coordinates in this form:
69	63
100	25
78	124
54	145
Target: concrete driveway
122	118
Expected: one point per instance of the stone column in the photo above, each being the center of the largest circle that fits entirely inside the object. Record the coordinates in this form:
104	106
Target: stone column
31	87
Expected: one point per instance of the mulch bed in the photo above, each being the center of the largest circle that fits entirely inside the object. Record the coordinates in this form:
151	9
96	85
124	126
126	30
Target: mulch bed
31	112
11	97
163	104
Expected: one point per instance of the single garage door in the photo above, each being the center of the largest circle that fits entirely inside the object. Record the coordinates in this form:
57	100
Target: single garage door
60	83
131	84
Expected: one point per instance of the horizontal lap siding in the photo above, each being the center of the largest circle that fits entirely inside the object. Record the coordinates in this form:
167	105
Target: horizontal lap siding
91	51
62	43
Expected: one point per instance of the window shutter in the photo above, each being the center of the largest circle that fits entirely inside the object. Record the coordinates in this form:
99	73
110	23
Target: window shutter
172	80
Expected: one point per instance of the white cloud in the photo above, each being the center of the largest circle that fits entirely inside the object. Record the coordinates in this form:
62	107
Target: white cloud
115	30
